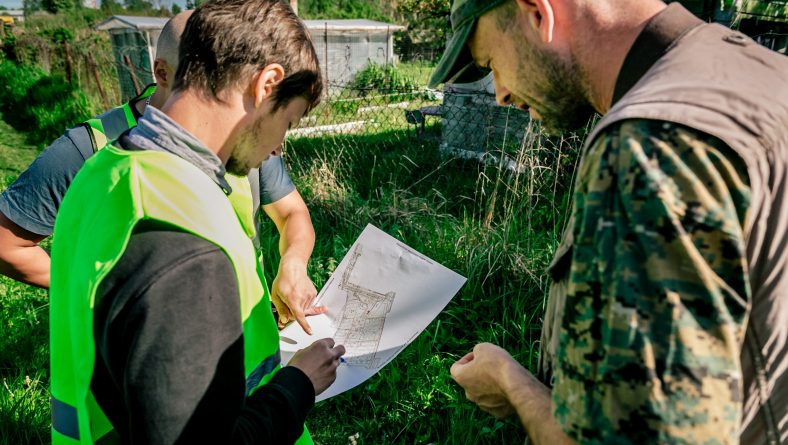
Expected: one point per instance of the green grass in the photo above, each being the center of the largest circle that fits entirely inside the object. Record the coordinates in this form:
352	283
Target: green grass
419	71
497	228
24	318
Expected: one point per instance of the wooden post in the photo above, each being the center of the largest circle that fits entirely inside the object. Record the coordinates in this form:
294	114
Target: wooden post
131	73
94	69
68	61
294	5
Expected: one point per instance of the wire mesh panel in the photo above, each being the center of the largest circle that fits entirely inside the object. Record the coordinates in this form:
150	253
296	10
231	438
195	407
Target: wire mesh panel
132	61
346	47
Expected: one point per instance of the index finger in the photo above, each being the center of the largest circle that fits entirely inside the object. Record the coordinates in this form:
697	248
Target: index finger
300	317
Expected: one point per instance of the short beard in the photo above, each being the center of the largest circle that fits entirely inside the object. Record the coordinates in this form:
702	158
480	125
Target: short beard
566	106
236	167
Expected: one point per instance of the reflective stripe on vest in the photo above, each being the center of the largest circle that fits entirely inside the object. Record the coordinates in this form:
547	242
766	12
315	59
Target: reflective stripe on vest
114	191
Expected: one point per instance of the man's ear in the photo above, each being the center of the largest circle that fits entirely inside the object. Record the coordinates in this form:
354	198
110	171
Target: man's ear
163	73
266	80
540	17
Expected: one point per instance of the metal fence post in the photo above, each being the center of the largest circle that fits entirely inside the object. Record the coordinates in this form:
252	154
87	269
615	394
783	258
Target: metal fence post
325	44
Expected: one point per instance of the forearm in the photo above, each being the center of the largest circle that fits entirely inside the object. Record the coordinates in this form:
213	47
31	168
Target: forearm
532	401
26	264
20	256
297	237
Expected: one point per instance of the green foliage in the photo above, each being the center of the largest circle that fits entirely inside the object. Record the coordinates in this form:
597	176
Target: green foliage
381	79
111	7
344	9
30	6
8	46
58	35
428	23
56	6
38	103
176	9
24	319
138	5
75	19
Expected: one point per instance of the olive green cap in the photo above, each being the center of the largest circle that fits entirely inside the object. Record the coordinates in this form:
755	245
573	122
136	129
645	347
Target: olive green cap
456	64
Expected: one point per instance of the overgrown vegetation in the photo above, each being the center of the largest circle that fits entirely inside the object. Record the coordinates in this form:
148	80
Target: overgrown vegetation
42	105
379	79
24	321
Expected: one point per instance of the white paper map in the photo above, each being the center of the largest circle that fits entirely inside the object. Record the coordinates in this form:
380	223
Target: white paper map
380	298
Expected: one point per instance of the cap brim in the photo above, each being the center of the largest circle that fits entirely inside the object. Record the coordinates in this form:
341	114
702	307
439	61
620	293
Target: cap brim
456	64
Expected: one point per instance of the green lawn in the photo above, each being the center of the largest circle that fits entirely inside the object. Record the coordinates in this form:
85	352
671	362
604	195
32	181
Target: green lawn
496	228
24	339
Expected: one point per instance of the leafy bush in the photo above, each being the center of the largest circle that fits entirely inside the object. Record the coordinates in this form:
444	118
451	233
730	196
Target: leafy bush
42	105
382	79
344	9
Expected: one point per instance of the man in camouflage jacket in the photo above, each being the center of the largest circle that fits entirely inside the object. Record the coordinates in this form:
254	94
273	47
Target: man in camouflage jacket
668	318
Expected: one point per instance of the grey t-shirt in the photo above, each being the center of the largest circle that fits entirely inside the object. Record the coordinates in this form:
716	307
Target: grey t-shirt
32	201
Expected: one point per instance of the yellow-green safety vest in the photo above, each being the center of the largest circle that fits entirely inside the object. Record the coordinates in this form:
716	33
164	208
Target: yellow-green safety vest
107	127
115	190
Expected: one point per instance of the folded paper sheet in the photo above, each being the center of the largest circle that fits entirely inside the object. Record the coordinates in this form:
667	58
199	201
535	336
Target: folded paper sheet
380	298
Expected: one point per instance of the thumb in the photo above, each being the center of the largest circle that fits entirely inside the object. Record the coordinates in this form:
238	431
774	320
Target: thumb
460	365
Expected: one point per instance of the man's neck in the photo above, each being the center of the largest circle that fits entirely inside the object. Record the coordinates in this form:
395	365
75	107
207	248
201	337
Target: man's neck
608	33
210	121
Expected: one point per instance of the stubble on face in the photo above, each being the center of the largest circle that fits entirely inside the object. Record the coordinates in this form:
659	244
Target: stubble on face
541	78
559	85
241	159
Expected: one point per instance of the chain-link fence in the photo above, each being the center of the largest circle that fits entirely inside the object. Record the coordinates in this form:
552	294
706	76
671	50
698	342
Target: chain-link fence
459	120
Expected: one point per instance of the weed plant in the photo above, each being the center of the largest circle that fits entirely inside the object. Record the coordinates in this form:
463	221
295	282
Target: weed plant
44	106
24	322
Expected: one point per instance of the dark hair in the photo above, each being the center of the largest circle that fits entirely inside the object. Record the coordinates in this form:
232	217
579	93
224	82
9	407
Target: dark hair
226	41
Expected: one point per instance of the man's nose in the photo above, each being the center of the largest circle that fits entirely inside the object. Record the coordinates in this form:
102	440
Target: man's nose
502	95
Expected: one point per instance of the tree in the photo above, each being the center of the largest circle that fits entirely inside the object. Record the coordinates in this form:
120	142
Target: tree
55	6
428	22
111	6
176	9
31	6
138	5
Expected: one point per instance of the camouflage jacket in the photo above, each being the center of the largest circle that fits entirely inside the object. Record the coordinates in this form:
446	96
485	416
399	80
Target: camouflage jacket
657	219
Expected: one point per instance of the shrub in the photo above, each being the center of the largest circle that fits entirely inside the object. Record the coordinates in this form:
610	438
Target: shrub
42	105
382	79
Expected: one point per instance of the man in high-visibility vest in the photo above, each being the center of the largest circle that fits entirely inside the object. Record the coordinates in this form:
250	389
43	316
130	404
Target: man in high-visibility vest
28	206
161	328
